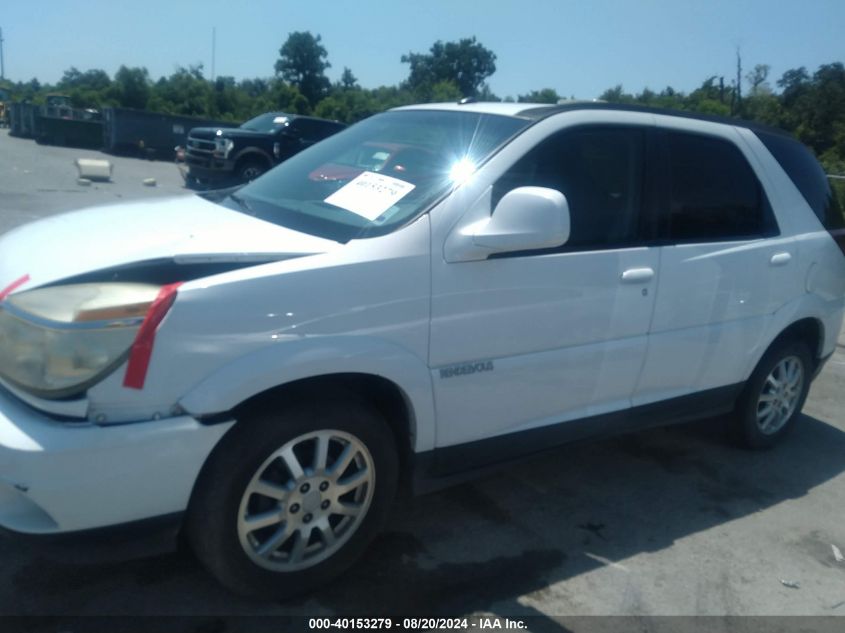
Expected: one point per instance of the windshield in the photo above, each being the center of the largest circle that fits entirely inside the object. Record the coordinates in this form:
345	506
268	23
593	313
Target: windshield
377	175
267	123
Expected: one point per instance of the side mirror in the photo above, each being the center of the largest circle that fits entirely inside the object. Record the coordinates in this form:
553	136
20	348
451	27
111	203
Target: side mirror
526	218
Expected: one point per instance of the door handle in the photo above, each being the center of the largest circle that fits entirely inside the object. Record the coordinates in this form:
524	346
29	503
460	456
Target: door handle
637	275
780	259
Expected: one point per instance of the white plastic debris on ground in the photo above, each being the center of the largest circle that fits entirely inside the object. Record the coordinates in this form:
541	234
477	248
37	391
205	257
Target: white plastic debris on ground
94	169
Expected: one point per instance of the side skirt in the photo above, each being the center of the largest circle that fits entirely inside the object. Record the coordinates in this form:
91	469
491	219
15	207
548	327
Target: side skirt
449	465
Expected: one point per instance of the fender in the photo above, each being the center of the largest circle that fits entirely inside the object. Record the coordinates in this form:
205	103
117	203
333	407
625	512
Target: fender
808	306
257	151
280	364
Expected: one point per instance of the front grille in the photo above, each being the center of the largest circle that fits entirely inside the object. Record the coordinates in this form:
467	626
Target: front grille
198	152
199	146
198	161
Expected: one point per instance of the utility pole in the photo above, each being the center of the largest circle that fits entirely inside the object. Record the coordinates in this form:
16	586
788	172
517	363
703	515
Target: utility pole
2	63
738	109
213	49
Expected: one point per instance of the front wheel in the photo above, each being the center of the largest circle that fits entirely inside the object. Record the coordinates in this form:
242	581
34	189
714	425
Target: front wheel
290	500
250	170
774	395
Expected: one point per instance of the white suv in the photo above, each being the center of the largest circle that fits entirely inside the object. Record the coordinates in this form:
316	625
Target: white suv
432	291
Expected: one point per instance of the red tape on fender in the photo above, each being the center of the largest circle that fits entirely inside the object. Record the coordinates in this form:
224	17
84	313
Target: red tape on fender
142	348
17	283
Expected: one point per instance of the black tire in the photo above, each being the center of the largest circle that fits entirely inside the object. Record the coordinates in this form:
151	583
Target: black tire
749	428
250	169
216	513
190	181
194	184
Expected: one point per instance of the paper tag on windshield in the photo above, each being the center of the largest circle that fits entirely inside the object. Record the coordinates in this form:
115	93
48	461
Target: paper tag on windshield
370	194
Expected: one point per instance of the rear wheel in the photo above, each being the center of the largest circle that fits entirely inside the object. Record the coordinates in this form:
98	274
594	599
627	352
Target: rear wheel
290	500
775	393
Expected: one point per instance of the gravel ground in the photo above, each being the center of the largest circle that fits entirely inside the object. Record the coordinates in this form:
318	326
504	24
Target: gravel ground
666	522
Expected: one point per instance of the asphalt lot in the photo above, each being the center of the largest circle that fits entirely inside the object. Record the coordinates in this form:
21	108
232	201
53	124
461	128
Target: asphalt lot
38	180
668	522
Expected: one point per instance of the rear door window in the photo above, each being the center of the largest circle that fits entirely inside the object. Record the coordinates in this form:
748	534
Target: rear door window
713	194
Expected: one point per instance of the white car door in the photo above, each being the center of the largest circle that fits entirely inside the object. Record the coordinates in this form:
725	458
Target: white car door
725	267
526	340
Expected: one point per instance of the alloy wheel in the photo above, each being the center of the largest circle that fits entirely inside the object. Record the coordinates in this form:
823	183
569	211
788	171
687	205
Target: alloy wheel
780	395
306	500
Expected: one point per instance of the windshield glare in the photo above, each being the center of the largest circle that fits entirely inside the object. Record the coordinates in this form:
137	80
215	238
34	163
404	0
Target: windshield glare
267	123
376	175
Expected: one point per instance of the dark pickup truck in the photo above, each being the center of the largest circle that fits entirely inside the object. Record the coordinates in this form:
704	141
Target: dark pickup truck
240	154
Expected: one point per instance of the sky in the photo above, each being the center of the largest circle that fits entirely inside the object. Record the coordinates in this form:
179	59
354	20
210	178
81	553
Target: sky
577	47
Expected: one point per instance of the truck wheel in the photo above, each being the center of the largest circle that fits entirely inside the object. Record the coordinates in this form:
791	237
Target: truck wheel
192	182
250	170
289	500
774	395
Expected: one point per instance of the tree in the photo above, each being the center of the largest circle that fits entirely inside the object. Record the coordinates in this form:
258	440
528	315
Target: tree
94	79
288	99
546	95
348	80
467	63
445	91
757	79
387	97
86	89
793	83
348	105
131	87
616	94
826	121
302	62
760	104
30	91
485	94
254	88
225	98
186	91
813	108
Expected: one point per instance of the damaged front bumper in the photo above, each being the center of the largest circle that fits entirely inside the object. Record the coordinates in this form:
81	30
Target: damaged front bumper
58	477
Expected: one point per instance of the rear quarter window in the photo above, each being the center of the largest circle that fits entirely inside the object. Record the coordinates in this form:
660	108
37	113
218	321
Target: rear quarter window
807	175
313	130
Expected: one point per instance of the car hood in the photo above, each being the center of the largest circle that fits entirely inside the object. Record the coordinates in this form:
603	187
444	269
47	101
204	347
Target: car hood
183	230
210	133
